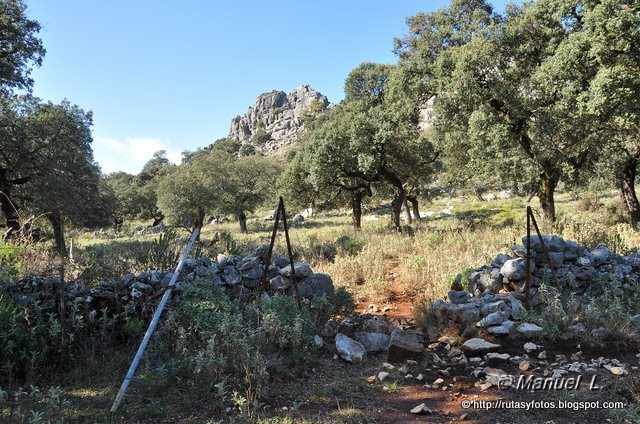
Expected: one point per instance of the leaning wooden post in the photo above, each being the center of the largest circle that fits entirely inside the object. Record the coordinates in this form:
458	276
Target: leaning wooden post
291	262
153	324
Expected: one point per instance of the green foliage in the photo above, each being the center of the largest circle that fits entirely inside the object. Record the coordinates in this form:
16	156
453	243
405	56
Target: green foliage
247	150
286	326
348	245
225	145
316	106
163	253
23	345
133	326
33	405
209	341
9	263
134	196
20	48
260	137
343	303
216	183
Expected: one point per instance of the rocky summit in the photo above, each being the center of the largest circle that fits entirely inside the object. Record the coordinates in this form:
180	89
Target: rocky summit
277	118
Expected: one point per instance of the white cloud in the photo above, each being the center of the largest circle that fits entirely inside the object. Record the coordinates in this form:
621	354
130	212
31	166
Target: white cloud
131	154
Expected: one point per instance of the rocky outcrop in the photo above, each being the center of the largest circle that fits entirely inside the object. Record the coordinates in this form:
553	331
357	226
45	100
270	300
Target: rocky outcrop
279	116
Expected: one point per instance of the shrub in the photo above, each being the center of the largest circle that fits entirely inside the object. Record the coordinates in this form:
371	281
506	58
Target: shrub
286	326
208	341
343	303
23	340
33	405
349	245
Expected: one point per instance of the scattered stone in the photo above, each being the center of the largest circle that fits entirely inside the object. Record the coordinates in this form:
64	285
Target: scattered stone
382	375
578	328
454	352
301	269
516	269
618	371
493	358
530	347
524	365
478	347
421	410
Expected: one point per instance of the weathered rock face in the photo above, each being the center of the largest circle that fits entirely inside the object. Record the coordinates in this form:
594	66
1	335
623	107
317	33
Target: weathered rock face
278	114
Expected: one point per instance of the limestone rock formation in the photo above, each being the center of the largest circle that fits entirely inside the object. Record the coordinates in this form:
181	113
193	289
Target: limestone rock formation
276	117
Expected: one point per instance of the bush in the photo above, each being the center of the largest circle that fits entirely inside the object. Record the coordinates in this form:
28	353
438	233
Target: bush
285	326
349	245
23	340
343	303
207	342
33	406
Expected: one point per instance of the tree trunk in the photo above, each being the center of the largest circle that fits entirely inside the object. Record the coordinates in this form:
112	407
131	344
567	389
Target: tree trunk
9	207
406	211
57	222
627	178
356	207
548	183
398	197
478	193
242	219
416	209
199	222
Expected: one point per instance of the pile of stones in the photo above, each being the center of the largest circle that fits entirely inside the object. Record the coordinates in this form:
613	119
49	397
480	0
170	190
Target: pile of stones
494	293
239	276
354	337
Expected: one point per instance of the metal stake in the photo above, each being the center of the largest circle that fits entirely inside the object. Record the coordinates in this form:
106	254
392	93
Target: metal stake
153	324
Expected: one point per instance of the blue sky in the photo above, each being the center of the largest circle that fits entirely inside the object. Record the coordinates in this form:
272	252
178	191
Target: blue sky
172	74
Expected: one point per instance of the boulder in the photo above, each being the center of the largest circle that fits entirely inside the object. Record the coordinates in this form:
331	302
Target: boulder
463	313
349	349
250	267
373	342
459	296
279	283
530	330
552	243
316	286
405	344
517	310
301	270
503	329
231	276
494	318
516	269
